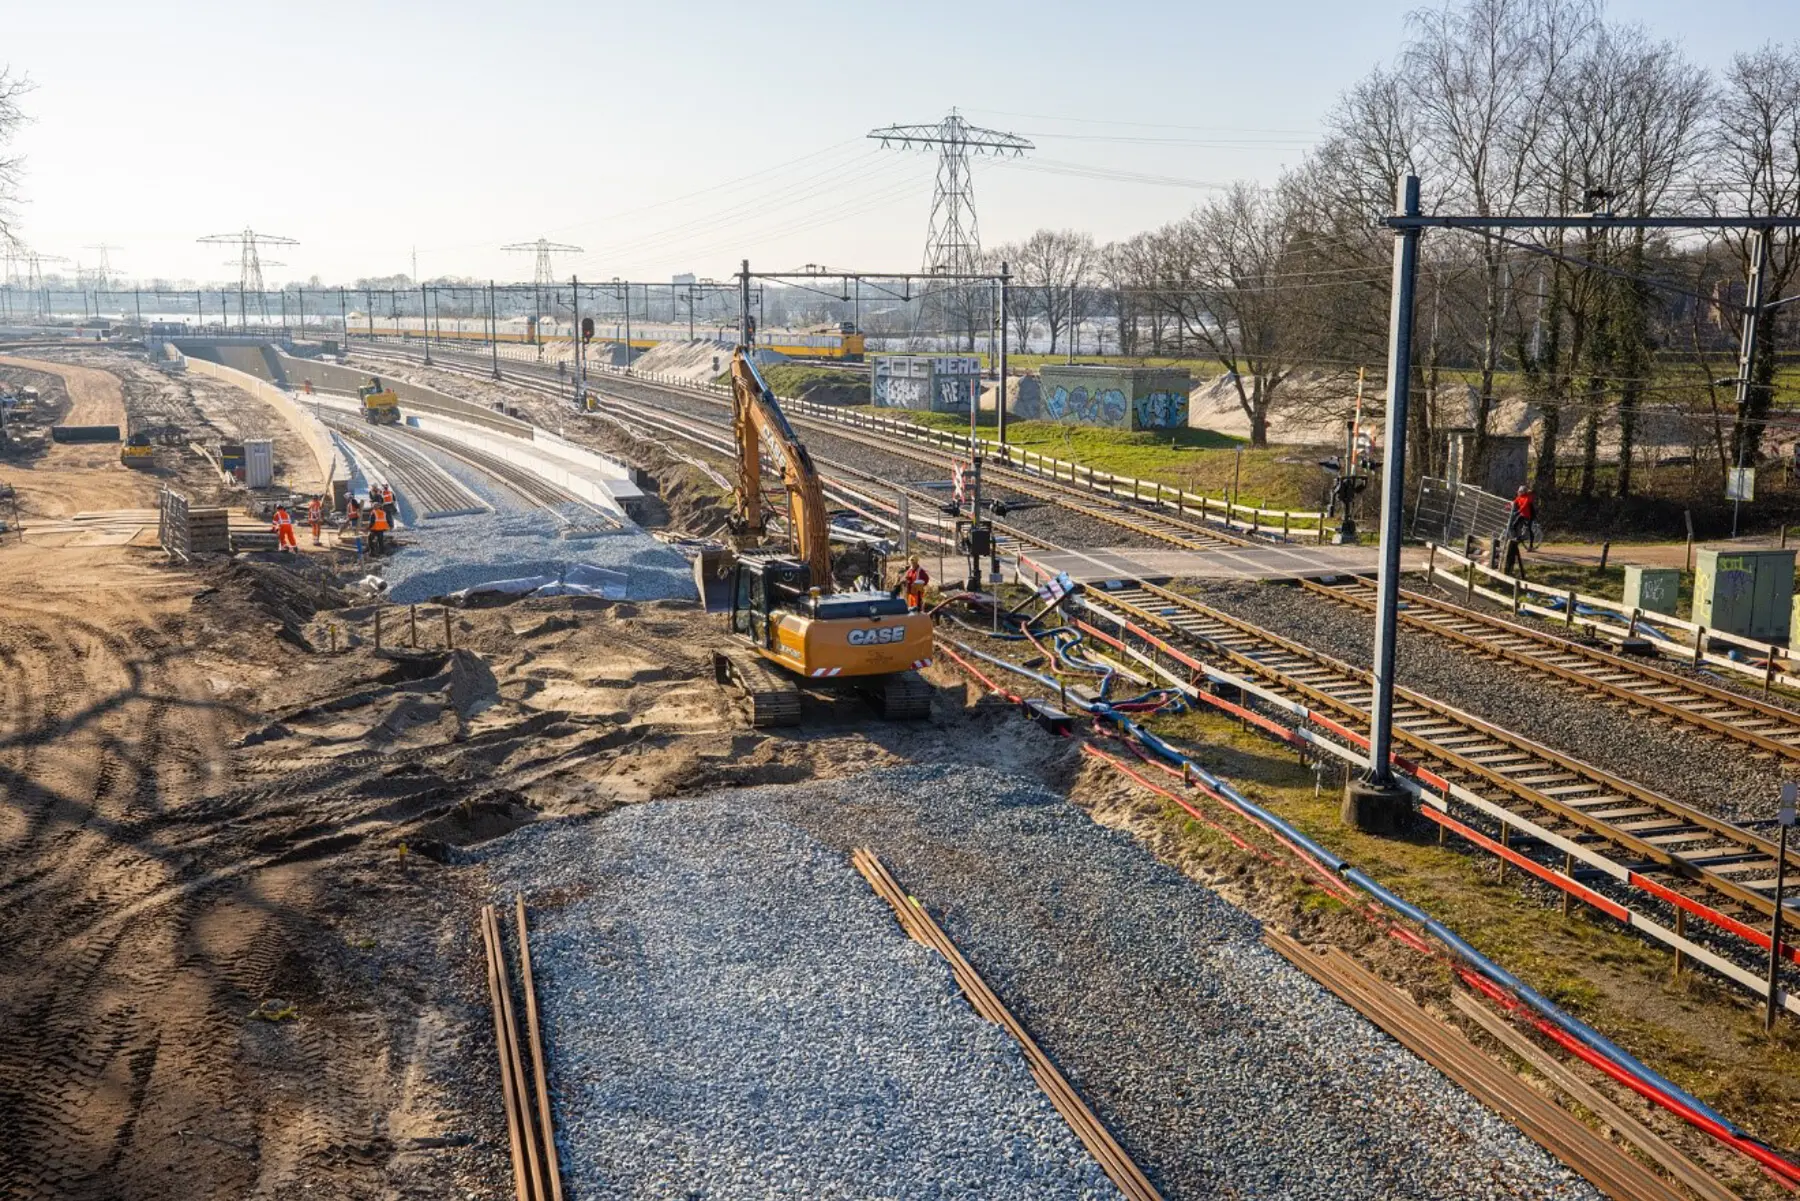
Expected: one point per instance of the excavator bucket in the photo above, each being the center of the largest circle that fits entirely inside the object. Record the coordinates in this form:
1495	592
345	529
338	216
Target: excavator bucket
712	579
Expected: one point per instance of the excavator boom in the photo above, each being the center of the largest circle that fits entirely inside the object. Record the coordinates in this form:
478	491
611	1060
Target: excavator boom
757	421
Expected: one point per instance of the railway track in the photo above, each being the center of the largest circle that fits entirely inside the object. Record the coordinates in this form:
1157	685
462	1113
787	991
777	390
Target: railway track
863	492
1151	521
427	487
1768	727
1671	858
1690	860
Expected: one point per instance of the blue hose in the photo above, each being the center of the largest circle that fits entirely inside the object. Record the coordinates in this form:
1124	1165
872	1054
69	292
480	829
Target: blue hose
1481	963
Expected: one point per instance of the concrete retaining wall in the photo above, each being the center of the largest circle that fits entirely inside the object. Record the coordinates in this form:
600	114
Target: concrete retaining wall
594	478
1128	398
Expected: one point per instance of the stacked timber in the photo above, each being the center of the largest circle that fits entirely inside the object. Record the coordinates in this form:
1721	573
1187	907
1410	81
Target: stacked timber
186	530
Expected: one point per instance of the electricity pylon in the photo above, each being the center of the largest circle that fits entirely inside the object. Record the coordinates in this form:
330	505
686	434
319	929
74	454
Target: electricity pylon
545	275
953	240
103	273
250	262
953	243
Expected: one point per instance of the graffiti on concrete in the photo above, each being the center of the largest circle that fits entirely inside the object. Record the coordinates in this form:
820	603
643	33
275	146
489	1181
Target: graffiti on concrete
1099	407
1160	411
954	395
901	392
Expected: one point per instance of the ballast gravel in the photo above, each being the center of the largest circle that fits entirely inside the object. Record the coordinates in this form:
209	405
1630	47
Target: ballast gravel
701	990
1679	761
731	1012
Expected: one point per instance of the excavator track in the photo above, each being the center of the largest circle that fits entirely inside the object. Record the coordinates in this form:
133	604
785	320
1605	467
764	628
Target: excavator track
903	696
774	698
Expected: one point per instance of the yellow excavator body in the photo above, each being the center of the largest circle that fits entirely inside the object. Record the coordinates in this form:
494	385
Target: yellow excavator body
846	647
782	605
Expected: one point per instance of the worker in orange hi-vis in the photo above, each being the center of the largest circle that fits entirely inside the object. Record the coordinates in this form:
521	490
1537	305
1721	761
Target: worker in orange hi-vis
378	530
284	530
315	516
914	583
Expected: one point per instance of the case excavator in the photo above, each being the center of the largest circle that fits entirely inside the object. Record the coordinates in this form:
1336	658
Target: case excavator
790	627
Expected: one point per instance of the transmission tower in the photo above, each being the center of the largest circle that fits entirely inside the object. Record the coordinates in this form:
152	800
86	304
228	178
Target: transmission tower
249	261
545	275
34	279
103	273
953	245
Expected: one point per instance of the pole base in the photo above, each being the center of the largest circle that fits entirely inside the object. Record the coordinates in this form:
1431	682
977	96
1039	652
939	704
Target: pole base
1376	808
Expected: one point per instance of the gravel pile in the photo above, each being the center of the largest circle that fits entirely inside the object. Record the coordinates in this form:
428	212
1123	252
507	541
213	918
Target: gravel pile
1677	760
1222	1069
731	1012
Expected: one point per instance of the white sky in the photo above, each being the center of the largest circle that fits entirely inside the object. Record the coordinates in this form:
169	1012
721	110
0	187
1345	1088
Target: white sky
364	130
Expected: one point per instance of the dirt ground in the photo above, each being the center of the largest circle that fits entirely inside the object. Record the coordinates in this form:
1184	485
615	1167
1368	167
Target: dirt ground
211	819
211	815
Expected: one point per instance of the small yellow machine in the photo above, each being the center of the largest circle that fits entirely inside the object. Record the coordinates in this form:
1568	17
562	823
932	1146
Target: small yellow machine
380	405
136	451
782	606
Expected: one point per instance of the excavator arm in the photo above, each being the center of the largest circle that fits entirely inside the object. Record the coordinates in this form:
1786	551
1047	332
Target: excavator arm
757	420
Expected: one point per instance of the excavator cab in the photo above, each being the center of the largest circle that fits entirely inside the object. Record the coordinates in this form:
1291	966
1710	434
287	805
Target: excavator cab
760	585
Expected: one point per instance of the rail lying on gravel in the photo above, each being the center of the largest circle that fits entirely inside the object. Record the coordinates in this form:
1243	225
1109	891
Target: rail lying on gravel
1094	1135
1335	873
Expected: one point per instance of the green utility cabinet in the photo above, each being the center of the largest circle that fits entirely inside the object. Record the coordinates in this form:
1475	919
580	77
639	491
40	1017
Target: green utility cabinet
1745	592
1652	589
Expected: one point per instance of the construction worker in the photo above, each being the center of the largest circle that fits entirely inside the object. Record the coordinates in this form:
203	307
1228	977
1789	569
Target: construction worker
283	526
913	584
378	529
387	503
315	514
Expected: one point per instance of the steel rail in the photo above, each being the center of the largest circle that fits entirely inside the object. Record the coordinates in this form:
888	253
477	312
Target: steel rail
1761	724
1098	506
1606	1166
1580	796
717	436
1086	1125
431	490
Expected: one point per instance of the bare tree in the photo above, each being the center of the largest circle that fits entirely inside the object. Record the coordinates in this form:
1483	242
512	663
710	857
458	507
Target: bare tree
1021	302
13	87
1225	270
1056	265
1485	76
1755	156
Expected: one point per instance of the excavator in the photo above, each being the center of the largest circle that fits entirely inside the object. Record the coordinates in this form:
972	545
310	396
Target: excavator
787	623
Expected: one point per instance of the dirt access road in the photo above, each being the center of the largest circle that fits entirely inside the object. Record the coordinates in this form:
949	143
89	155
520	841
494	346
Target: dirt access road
79	476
